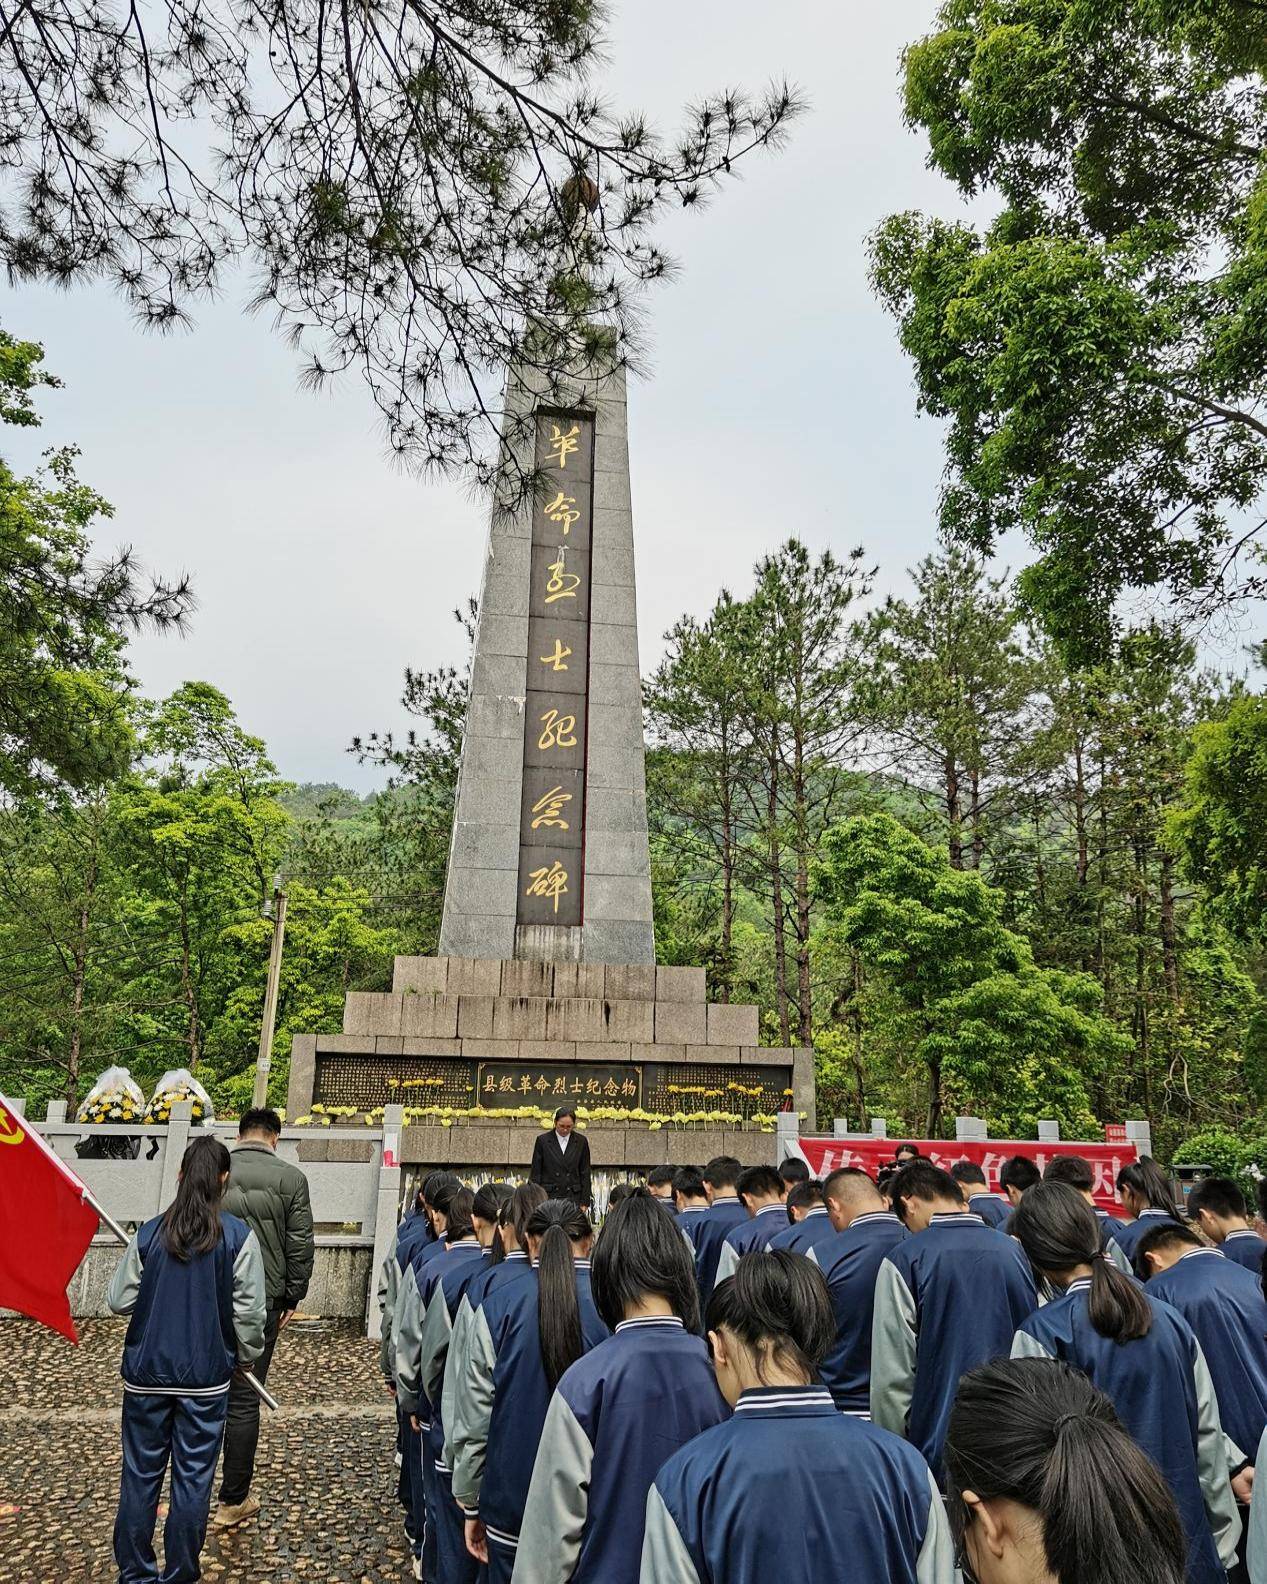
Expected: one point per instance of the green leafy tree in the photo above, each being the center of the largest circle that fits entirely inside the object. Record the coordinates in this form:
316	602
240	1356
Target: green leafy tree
1099	350
990	1028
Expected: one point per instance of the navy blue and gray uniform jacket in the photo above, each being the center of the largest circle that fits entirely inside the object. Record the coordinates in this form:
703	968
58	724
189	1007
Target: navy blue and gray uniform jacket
867	1512
615	1419
688	1220
412	1309
994	1209
1126	1234
466	1261
708	1234
1246	1248
487	1279
501	1401
1224	1305
813	1228
1109	1228
946	1300
1256	1544
412	1275
414	1232
193	1321
850	1261
748	1237
1161	1387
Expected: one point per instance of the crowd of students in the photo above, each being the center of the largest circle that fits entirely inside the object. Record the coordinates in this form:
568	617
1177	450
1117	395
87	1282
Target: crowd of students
904	1381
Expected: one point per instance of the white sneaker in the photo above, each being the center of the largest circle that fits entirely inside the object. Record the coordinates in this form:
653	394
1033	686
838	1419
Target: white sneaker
399	1460
417	1567
230	1516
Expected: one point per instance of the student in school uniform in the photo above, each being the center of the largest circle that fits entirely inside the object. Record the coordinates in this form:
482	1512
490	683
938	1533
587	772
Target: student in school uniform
1016	1175
521	1339
867	1510
792	1171
864	1229
449	1278
690	1199
761	1192
1075	1171
660	1187
948	1298
449	1207
993	1208
1046	1487
1143	1355
192	1283
1145	1195
725	1212
620	1411
1223	1303
810	1221
1218	1207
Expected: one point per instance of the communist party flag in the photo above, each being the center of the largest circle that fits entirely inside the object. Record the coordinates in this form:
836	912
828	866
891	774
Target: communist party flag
45	1225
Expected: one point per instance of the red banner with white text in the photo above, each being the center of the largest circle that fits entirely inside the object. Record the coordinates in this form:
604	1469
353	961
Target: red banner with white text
823	1155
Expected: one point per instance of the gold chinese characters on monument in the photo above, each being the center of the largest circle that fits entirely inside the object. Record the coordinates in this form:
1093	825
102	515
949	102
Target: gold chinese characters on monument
552	823
506	1085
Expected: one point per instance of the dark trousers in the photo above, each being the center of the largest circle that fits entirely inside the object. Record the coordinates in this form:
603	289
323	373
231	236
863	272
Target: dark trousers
456	1564
186	1431
501	1562
411	1468
403	1432
430	1553
242	1429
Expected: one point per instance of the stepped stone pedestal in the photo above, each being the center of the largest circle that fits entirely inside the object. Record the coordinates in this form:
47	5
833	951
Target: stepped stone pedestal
504	1034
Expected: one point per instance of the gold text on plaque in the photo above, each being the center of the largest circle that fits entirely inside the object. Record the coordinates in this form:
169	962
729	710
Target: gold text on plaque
556	660
562	584
551	883
559	731
549	808
562	446
562	509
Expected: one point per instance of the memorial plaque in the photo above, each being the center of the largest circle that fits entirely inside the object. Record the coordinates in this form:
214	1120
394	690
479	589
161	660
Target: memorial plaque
552	810
509	1084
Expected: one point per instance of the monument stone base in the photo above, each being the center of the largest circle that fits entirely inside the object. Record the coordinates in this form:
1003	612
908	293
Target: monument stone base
457	1035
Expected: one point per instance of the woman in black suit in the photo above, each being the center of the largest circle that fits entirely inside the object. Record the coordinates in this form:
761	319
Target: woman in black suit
561	1160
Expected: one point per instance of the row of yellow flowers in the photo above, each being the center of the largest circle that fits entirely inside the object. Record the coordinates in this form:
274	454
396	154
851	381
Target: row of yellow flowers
446	1116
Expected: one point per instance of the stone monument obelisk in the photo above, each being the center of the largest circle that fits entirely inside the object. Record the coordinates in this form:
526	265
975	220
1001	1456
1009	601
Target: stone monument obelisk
549	858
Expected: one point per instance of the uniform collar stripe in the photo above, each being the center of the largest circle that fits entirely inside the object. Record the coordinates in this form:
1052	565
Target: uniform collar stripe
1083	1284
1153	1214
515	1254
815	1212
793	1397
874	1215
1191	1252
1243	1232
942	1216
651	1320
766	1209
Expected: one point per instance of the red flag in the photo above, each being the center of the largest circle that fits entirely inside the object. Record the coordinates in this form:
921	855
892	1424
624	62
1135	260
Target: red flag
45	1225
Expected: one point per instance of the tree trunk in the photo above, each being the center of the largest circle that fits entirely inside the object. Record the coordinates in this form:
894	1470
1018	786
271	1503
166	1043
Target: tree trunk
934	1099
193	1036
953	814
1040	873
776	895
1142	1021
79	975
974	817
1080	817
1169	945
855	1016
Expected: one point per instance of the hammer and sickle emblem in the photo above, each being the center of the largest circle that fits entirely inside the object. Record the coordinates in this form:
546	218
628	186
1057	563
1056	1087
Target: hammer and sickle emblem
10	1132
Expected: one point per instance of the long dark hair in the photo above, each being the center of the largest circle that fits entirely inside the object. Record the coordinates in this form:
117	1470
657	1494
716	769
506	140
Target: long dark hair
777	1304
515	1212
559	1224
1037	1432
487	1207
640	1251
1146	1178
457	1208
1058	1229
191	1223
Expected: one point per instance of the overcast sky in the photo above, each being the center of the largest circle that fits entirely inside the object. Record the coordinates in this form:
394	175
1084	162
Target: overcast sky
778	402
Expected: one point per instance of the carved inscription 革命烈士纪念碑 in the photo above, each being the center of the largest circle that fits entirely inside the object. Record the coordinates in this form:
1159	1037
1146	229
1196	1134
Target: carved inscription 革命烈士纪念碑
552	820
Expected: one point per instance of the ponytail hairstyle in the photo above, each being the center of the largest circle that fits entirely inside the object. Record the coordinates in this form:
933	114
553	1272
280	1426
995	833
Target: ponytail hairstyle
1146	1178
515	1212
458	1210
191	1223
487	1207
777	1305
1058	1229
559	1224
1038	1433
641	1253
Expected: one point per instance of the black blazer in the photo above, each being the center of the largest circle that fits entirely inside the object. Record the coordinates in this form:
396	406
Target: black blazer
564	1174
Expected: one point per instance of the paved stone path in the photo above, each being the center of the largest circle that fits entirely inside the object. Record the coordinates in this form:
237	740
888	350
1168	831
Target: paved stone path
324	1474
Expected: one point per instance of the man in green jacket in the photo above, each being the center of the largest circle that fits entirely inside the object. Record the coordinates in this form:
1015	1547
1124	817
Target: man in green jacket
271	1196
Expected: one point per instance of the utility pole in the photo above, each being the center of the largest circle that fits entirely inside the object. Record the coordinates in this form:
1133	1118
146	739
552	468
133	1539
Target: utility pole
276	910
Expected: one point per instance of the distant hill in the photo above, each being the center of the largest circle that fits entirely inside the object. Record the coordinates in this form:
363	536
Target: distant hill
314	799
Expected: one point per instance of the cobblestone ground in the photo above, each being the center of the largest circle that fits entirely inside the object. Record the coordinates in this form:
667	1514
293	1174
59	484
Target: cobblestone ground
324	1473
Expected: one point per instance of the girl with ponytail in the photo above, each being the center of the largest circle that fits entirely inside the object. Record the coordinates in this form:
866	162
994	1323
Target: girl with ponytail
622	1409
1142	1355
192	1282
528	1328
867	1510
1146	1197
1045	1485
